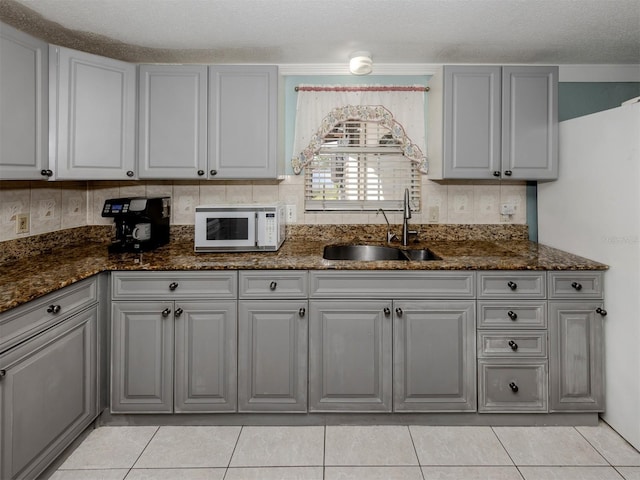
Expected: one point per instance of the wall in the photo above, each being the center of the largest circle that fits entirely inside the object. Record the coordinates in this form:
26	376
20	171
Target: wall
576	99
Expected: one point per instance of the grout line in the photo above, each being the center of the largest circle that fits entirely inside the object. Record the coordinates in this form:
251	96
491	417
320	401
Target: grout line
593	446
507	452
233	452
145	447
415	450
324	453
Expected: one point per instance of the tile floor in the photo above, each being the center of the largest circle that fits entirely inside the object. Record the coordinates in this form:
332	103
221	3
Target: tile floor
352	452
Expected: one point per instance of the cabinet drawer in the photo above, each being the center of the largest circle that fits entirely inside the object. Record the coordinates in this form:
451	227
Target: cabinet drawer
512	344
508	315
512	284
391	284
22	322
575	284
273	284
512	386
173	285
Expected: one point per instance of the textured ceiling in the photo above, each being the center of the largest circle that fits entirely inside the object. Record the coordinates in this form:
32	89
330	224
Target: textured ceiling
327	31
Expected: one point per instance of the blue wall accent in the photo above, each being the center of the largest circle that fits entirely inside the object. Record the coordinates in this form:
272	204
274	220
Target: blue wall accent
576	99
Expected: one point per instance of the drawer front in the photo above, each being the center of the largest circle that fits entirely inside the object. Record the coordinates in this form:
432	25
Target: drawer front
576	284
26	320
511	386
273	284
173	285
512	344
508	315
392	284
512	284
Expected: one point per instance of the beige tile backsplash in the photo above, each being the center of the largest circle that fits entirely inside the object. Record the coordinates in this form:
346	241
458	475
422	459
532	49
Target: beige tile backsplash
53	206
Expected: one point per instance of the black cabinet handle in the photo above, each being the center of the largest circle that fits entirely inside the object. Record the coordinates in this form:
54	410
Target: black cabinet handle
387	311
173	286
273	285
213	172
513	387
512	315
508	173
496	173
601	311
46	173
166	312
399	311
302	312
513	345
130	173
512	285
200	173
178	312
3	373
577	286
54	309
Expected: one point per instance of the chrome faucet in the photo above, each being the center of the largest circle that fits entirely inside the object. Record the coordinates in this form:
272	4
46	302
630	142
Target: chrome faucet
390	236
405	223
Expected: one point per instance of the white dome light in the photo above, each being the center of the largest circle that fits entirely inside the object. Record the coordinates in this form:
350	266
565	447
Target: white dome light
360	63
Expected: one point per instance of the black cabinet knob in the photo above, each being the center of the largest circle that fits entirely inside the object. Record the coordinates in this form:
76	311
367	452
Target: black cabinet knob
273	286
3	373
46	173
513	345
302	312
178	312
173	286
399	311
213	172
496	173
508	173
54	308
387	311
130	173
601	311
200	173
513	387
512	285
512	315
577	286
165	313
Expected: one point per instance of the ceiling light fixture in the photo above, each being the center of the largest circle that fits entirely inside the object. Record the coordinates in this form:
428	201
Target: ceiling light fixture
360	63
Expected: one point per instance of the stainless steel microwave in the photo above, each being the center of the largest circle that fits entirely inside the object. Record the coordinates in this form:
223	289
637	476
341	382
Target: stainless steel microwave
239	228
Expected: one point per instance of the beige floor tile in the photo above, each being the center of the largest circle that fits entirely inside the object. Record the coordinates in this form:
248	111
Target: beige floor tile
274	473
611	446
177	474
190	447
111	474
630	473
372	473
471	473
548	446
110	447
458	446
569	473
279	447
369	445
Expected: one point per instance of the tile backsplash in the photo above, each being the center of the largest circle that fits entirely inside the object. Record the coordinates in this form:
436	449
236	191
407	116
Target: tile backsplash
53	206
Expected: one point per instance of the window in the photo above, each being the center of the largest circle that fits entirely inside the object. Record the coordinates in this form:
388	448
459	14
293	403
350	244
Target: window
359	165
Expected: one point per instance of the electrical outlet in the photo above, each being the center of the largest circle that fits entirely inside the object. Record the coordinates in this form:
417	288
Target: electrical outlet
22	223
291	213
507	209
433	214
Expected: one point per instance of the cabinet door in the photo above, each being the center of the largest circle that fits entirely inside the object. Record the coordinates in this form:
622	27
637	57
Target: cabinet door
434	356
142	357
205	357
172	121
530	123
243	118
24	103
92	116
350	355
472	119
48	395
576	357
272	356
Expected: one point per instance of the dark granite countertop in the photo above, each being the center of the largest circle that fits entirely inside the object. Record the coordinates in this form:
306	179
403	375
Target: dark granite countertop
29	277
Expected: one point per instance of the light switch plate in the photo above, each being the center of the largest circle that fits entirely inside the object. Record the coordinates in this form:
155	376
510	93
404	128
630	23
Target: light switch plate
291	213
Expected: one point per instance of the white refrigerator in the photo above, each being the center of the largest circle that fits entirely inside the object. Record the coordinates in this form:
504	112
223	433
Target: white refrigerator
593	210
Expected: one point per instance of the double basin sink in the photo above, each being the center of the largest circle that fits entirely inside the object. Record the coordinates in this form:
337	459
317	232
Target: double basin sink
365	253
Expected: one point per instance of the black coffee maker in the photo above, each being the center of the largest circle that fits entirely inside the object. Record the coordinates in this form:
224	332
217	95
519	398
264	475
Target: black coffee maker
142	224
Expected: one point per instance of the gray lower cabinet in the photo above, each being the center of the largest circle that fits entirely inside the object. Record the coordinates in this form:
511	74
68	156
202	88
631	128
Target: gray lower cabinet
434	356
350	362
173	357
48	394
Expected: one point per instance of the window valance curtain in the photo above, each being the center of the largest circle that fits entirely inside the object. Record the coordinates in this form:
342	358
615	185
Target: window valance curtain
406	104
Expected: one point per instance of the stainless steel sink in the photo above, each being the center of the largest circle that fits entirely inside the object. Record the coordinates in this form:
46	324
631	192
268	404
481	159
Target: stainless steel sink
368	253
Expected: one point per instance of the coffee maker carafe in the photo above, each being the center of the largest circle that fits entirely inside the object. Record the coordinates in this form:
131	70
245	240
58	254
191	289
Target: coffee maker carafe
142	224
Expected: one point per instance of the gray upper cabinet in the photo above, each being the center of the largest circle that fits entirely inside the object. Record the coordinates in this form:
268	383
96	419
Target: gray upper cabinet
91	116
172	121
434	356
24	103
491	122
243	122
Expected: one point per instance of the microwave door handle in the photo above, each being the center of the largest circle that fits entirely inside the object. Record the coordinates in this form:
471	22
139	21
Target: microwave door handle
257	230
